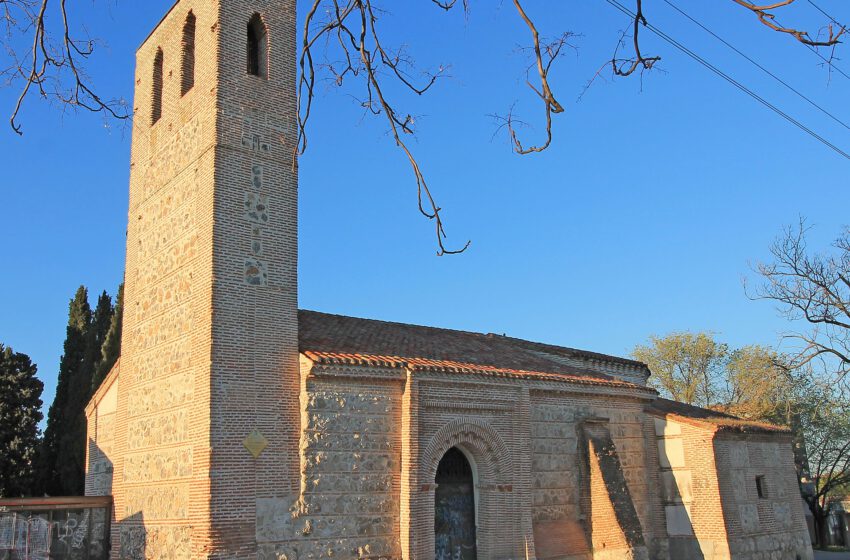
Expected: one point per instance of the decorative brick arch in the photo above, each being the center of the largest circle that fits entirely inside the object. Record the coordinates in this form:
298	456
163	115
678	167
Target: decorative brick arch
493	468
493	462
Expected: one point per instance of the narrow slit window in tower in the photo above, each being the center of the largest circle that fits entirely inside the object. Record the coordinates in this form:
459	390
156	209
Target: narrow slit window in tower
761	487
258	45
187	79
156	105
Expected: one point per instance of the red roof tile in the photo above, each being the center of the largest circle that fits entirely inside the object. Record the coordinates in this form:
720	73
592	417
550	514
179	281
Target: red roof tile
424	364
720	420
341	339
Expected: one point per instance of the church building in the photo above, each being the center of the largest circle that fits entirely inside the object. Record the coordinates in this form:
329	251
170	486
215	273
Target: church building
237	426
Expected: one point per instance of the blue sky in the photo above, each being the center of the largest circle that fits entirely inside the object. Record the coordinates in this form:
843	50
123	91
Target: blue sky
643	217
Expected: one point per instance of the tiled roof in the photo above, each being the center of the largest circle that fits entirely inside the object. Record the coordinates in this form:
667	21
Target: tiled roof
422	364
340	339
720	420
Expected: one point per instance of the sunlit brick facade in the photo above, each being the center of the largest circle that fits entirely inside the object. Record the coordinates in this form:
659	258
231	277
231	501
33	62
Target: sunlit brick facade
236	426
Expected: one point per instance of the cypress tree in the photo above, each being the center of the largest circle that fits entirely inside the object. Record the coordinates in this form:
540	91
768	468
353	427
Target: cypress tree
63	450
20	413
72	460
100	323
111	348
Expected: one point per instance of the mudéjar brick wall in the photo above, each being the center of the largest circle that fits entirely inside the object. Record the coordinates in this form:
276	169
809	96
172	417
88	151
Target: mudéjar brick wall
766	526
689	491
218	439
711	502
373	438
209	353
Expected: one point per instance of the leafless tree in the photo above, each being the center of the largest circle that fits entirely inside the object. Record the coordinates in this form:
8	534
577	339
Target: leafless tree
49	61
812	288
52	65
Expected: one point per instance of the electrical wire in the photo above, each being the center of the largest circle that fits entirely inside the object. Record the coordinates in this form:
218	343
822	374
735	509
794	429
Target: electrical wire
821	10
765	70
732	81
827	61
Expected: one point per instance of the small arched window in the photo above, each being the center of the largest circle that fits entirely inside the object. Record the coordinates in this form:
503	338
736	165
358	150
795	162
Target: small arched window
187	79
258	47
156	104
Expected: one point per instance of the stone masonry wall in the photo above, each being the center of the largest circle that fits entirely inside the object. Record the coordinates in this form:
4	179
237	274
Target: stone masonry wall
566	522
160	455
372	441
350	473
771	527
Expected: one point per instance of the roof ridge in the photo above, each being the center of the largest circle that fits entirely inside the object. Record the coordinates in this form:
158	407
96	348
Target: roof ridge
443	329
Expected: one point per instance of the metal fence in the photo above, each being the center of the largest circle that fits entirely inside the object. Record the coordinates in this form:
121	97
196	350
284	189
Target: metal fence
55	529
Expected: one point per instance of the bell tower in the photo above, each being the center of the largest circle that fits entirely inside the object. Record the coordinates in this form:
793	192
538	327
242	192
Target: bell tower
207	419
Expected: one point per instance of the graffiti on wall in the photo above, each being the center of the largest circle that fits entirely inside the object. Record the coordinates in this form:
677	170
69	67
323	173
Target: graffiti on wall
54	535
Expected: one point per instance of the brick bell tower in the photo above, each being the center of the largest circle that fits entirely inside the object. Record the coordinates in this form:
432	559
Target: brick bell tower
207	419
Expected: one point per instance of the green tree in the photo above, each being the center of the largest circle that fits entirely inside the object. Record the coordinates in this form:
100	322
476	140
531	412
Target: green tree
758	385
20	413
111	347
63	451
822	411
812	290
686	367
97	333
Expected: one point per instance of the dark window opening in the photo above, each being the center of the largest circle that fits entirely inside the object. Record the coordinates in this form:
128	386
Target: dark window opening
761	488
187	81
257	47
156	105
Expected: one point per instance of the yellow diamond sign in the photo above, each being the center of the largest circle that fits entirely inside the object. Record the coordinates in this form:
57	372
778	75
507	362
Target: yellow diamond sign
255	443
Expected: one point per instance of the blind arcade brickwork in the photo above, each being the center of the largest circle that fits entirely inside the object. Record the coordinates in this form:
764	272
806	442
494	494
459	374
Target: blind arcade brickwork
236	426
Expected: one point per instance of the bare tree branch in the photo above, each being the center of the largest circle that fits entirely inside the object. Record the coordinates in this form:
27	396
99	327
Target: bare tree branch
764	15
544	56
353	26
812	288
626	67
51	68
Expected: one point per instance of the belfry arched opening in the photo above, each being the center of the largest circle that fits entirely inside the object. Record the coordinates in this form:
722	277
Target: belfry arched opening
454	508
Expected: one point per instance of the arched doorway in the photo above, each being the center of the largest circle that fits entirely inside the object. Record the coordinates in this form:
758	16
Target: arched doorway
454	508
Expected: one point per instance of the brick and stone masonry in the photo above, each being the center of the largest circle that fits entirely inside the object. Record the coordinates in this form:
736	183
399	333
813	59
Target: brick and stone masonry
236	426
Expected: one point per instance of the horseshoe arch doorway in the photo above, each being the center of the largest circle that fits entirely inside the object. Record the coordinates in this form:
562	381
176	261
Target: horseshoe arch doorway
454	508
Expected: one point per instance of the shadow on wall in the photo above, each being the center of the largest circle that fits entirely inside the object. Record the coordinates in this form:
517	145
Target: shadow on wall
605	495
682	539
674	477
99	476
99	471
132	537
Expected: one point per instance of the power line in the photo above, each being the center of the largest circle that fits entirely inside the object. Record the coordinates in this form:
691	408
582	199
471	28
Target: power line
827	61
765	70
821	10
732	81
